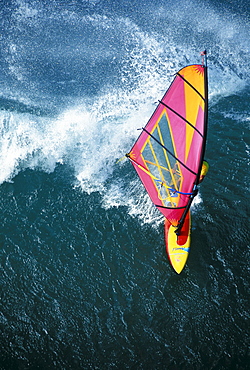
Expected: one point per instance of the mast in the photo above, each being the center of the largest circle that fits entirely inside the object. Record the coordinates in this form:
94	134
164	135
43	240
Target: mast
195	188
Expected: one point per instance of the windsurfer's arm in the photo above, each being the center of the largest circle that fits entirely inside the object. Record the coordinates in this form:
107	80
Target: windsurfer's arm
204	170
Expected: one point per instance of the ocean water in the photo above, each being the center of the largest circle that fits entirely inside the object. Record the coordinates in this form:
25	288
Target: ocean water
85	279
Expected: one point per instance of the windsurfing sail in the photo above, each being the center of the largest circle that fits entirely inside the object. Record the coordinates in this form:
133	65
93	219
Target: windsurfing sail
169	152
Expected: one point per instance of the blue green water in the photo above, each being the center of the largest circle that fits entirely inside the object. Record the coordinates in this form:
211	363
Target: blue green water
85	279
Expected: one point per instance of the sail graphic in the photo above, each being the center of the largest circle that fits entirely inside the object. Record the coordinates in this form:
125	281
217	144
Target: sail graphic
169	152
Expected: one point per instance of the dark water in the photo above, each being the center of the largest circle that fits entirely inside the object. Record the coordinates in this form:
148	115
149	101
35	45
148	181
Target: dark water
85	280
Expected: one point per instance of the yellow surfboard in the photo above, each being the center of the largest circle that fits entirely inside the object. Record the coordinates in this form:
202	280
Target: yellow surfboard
178	246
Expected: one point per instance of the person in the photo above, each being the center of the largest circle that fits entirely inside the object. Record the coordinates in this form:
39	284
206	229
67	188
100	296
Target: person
204	170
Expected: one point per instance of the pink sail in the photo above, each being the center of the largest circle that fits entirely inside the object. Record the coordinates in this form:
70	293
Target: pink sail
169	152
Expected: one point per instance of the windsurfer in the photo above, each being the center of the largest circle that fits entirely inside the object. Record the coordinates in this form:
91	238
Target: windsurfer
204	170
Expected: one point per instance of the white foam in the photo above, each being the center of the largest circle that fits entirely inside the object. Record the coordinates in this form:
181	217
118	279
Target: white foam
91	135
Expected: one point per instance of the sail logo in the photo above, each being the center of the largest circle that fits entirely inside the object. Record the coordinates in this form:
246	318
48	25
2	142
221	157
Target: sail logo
182	249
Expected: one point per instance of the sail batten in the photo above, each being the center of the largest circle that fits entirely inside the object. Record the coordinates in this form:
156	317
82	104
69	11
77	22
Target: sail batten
191	85
189	123
169	152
